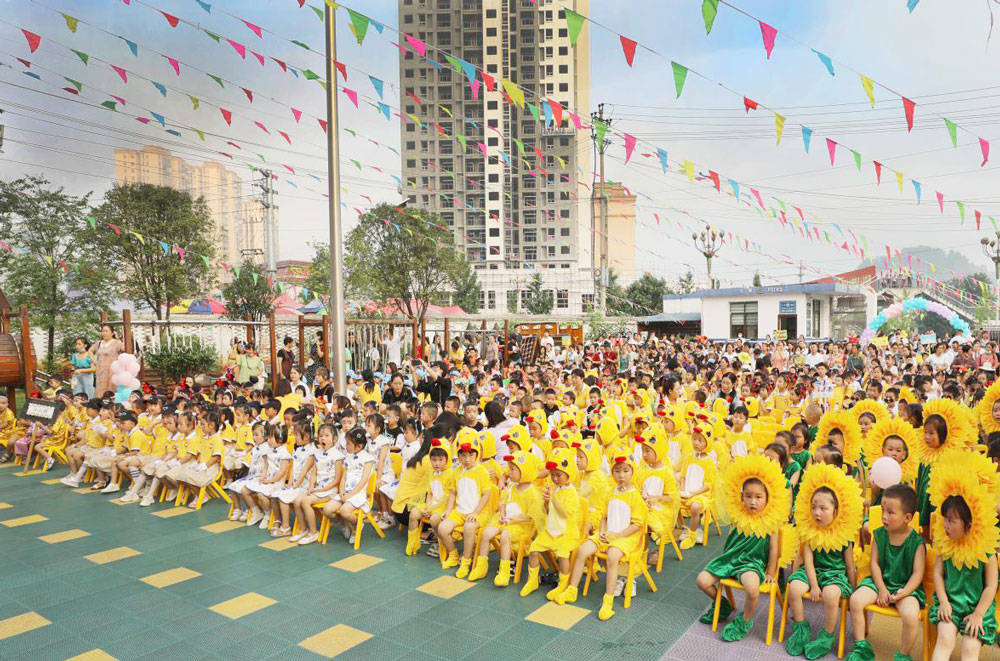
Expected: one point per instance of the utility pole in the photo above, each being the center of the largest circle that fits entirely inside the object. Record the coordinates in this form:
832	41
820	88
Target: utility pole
601	146
267	193
338	342
800	270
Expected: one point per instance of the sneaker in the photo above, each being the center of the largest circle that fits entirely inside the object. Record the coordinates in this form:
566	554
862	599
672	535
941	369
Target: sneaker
347	533
432	550
385	523
235	516
309	539
297	536
619	586
146	502
351	540
97	486
278	531
264	521
70	481
130	498
144	492
254	517
243	515
111	488
700	536
49	463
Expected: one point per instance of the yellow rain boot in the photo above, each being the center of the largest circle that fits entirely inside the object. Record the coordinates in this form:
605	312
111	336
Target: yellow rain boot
463	569
413	541
689	540
607	607
567	596
531	583
479	568
502	579
557	590
451	560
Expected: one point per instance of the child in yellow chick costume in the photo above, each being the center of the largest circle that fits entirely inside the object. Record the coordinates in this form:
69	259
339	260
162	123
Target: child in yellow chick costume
655	479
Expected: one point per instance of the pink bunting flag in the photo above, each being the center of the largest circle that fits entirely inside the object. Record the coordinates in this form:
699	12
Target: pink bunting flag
629	147
482	148
297	114
577	124
118	99
285	136
121	72
628	48
262	127
240	48
173	20
253	28
756	196
940	199
322	124
289	168
352	95
284	67
831	146
475	89
249	93
749	104
144	120
768	33
979	219
342	68
180	252
229	156
908	108
227	115
260	58
33	40
984	146
233	144
114	228
418	45
174	63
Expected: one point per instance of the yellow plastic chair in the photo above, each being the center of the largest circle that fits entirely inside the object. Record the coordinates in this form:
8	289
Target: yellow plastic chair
212	488
636	567
362	517
890	611
669	538
841	627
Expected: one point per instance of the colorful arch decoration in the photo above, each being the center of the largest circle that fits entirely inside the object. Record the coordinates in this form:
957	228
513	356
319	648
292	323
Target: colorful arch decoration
914	304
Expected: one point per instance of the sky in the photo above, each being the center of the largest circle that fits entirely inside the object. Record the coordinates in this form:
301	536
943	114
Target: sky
940	56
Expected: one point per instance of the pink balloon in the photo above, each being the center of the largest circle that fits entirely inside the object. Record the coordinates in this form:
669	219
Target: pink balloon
132	383
119	378
117	368
885	472
132	369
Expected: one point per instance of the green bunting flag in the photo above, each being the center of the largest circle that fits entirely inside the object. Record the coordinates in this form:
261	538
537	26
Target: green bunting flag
952	133
574	23
310	74
110	105
453	62
359	25
83	56
680	75
319	12
93	222
216	79
236	272
534	110
201	134
205	259
961	210
709	9
212	35
461	139
194	101
255	276
600	128
300	44
71	22
75	83
857	159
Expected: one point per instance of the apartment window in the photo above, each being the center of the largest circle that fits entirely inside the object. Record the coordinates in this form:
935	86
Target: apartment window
491	50
563	87
494	178
743	319
562	298
564	231
408	18
443	20
494	195
564	250
444	38
563	50
491	13
491	300
491	32
494	231
482	299
491	105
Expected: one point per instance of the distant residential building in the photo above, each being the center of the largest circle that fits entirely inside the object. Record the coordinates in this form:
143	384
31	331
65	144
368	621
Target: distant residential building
621	230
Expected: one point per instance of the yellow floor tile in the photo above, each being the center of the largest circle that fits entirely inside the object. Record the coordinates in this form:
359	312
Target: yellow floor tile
223	526
279	544
9	464
85	490
244	604
22	623
93	655
64	536
173	511
445	587
170	577
5	506
556	616
55	480
112	555
37	471
24	520
118	501
335	640
357	562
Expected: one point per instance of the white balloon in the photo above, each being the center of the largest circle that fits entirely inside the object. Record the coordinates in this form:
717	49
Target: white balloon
119	378
885	472
132	369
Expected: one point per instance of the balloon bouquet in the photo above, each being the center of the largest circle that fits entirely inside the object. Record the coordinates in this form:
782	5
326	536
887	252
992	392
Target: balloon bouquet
125	375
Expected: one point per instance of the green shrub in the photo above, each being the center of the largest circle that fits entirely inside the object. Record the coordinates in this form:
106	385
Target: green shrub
182	357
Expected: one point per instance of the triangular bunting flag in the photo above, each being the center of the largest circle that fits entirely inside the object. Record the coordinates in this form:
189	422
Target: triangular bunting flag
239	48
227	115
377	84
768	33
680	75
878	172
866	83
352	95
831	146
857	159
984	147
806	137
709	10
662	153
574	23
249	93
359	25
253	28
827	62
216	79
173	20
940	199
779	126
33	40
628	48
83	56
120	72
174	63
71	22
629	147
908	107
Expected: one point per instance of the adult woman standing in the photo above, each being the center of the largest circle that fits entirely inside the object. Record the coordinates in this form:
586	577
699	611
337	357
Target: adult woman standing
106	352
317	351
83	368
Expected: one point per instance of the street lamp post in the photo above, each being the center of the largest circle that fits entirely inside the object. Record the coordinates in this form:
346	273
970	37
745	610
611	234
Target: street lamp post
708	243
991	248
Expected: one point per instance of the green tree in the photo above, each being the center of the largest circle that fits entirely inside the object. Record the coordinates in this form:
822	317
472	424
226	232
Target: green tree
152	273
756	279
319	274
400	256
540	301
467	289
616	303
248	295
49	267
646	294
685	285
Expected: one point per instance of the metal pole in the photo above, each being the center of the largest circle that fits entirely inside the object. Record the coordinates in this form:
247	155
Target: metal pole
996	263
333	182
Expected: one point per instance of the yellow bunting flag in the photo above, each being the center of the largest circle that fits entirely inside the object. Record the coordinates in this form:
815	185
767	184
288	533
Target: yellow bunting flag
866	82
899	178
689	169
779	126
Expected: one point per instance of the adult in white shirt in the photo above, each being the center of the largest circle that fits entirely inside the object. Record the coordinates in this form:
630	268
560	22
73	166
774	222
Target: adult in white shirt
393	348
940	360
814	357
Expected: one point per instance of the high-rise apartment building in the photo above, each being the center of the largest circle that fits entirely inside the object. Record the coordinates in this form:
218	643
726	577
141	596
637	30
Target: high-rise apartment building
238	217
518	209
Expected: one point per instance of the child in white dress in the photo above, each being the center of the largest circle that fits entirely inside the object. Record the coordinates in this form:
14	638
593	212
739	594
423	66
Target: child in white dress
303	458
242	497
279	460
328	468
352	496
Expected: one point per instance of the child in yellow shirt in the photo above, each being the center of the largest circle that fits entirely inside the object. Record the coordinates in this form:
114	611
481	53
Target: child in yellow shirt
470	505
697	478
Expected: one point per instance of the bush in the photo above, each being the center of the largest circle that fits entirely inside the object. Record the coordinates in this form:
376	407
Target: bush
182	357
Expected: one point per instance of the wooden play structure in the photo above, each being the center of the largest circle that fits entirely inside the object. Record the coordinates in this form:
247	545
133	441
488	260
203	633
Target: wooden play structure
17	361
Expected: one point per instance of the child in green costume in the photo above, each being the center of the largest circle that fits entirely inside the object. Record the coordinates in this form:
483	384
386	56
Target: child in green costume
963	596
897	572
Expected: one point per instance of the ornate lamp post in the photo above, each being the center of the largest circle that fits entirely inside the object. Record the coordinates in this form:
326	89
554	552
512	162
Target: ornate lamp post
991	248
708	243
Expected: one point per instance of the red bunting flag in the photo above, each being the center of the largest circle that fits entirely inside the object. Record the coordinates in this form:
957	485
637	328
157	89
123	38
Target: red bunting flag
749	105
175	64
227	115
322	124
33	40
173	20
260	58
488	81
297	114
831	146
342	68
239	48
628	47
230	142
249	93
114	228
285	136
289	168
768	33
979	219
284	67
557	111
25	62
254	28
415	98
984	146
908	107
629	147
940	199
878	171
262	127
714	176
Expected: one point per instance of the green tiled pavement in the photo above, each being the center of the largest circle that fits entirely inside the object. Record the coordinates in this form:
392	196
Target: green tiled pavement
108	607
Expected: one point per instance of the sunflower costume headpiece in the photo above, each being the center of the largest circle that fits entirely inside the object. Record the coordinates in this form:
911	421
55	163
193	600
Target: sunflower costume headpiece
875	408
850	508
904	430
779	500
985	409
960	475
847	423
907	395
960	433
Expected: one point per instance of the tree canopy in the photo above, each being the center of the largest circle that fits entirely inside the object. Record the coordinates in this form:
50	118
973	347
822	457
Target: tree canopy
539	301
248	295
